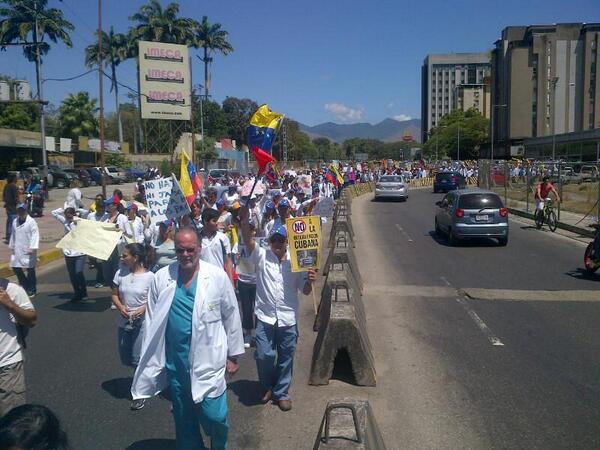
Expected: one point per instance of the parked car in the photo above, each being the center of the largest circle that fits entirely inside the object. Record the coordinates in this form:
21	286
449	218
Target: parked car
472	213
132	174
448	181
391	186
115	176
56	176
217	174
95	176
82	175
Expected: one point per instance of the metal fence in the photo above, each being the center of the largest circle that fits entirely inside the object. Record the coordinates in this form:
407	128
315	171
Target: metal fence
578	184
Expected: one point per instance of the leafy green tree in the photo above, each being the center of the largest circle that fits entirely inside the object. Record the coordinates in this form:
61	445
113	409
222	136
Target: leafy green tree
214	119
114	51
118	160
238	113
211	38
158	24
77	116
323	147
470	126
300	147
16	116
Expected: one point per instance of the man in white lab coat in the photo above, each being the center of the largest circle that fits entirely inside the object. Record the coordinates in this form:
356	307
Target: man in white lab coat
192	336
24	243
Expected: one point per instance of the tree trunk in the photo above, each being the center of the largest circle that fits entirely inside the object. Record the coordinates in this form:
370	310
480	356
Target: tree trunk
118	110
206	72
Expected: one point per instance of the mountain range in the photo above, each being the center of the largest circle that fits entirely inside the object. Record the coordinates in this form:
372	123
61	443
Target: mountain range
388	130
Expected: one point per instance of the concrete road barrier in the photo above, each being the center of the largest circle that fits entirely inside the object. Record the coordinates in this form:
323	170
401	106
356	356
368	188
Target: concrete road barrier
340	285
340	238
342	224
349	424
340	259
342	330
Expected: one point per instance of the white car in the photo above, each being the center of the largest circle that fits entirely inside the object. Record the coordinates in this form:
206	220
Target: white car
391	186
115	175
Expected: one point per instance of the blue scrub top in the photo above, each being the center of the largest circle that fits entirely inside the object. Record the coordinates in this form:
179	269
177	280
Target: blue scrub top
179	333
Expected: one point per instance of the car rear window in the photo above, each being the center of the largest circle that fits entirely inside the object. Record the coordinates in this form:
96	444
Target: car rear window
391	179
445	176
478	201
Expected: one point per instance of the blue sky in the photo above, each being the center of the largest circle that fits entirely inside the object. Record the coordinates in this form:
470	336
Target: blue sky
344	61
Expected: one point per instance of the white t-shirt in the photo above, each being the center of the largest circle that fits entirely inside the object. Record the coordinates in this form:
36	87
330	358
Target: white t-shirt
133	289
215	249
73	199
10	350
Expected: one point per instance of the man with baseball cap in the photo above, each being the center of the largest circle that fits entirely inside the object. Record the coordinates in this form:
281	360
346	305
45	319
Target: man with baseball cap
276	311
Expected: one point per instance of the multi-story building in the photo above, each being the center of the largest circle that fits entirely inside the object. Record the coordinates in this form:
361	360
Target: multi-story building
440	76
545	82
476	96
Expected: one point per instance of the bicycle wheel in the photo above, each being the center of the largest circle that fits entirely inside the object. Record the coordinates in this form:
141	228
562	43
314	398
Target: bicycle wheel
552	222
538	217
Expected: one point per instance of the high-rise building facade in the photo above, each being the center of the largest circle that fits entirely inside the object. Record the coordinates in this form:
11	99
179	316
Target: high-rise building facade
441	74
545	81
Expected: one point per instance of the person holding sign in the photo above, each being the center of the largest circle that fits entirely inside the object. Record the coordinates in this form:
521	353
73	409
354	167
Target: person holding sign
276	310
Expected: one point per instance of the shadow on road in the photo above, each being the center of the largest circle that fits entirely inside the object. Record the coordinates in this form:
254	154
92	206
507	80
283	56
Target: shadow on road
582	274
248	392
153	444
88	305
61	296
473	242
118	387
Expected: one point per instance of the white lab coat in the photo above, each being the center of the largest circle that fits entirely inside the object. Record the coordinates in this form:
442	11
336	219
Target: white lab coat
23	238
216	333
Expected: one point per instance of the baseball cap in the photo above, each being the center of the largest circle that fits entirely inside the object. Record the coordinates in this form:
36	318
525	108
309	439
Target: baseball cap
220	203
270	205
132	206
22	206
276	193
284	203
112	201
280	230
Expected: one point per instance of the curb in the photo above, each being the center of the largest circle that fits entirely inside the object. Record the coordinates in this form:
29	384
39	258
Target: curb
561	225
44	257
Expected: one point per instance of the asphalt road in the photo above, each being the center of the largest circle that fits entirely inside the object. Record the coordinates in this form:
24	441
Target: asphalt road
433	315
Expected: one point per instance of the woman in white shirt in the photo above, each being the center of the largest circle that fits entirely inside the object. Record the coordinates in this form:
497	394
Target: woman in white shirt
134	229
130	295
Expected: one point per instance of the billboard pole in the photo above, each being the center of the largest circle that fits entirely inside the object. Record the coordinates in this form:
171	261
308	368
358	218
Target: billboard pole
101	99
192	115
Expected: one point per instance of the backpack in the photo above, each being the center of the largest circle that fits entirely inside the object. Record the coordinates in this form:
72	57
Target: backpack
22	330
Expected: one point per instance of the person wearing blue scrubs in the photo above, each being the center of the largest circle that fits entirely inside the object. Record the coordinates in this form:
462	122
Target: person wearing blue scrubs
192	338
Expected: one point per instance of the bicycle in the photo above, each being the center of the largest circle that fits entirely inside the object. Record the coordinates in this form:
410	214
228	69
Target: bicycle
591	261
546	215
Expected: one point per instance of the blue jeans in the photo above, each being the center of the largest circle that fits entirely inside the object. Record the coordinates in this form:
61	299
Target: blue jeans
75	266
130	344
10	217
275	348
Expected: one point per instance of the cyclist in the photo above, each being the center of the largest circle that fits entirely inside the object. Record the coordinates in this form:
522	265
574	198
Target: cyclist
542	192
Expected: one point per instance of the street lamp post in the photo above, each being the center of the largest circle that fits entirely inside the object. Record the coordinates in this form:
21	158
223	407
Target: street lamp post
492	140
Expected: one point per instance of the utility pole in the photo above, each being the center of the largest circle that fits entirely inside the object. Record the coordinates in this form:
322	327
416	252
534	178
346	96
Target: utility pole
192	115
38	73
101	99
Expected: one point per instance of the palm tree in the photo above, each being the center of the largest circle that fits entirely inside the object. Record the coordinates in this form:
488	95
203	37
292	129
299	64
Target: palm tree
77	116
114	51
17	25
158	24
211	38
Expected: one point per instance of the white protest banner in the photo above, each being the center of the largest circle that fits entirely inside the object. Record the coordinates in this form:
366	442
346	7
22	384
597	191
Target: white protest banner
97	239
324	208
165	199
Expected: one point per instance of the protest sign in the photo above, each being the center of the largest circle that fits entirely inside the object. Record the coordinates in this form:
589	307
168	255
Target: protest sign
165	199
97	239
324	208
247	188
304	240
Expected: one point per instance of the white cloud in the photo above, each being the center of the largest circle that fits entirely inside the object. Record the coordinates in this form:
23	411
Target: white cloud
402	117
344	113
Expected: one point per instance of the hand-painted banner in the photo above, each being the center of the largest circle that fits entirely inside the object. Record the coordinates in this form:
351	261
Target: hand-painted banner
97	239
165	199
304	241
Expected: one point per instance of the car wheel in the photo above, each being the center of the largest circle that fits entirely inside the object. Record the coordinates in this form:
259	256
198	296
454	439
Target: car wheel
452	239
92	183
502	241
61	184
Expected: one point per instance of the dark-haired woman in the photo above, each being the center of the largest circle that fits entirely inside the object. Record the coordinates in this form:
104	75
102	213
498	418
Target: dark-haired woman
130	295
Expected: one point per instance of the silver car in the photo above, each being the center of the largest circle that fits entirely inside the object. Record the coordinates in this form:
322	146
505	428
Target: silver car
391	186
472	213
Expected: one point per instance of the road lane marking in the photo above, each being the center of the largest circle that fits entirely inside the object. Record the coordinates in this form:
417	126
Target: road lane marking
511	295
404	233
480	323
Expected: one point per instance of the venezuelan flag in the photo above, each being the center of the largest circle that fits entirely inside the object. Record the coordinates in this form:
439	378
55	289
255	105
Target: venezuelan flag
338	176
190	182
263	128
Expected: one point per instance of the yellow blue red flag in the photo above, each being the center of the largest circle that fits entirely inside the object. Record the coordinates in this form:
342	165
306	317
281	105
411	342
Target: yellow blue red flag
263	128
189	179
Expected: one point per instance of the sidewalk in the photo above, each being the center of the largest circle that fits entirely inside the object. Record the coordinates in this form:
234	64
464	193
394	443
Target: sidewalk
51	231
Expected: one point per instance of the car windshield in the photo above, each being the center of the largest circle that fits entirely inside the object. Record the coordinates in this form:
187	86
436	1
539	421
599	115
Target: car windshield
479	201
391	179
